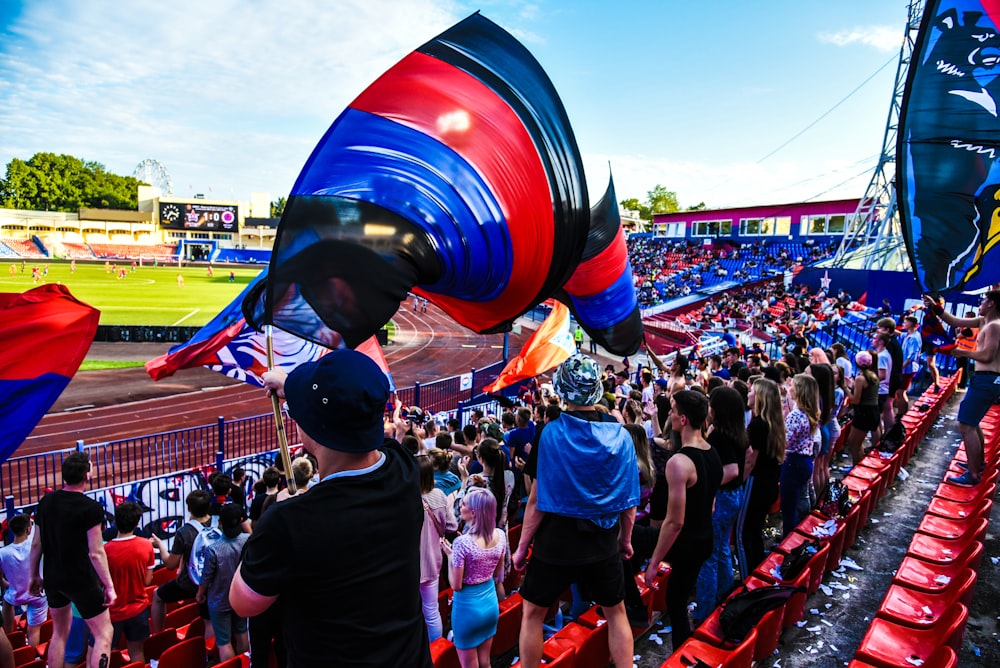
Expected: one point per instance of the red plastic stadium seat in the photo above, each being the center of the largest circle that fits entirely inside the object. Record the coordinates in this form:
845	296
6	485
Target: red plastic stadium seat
953	509
181	616
950	529
796	606
17	639
162	575
188	653
154	645
891	645
943	657
925	576
694	650
557	653
23	655
660	584
768	632
591	644
951	492
963	552
810	525
509	625
911	607
444	654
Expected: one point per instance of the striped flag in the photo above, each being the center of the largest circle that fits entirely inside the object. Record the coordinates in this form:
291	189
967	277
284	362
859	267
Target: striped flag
548	347
230	346
46	333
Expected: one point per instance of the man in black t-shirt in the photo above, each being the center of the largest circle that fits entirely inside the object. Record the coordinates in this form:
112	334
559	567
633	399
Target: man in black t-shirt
344	557
68	536
580	512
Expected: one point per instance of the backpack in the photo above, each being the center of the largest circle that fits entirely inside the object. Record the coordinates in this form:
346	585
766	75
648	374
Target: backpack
743	610
836	501
893	439
206	538
797	559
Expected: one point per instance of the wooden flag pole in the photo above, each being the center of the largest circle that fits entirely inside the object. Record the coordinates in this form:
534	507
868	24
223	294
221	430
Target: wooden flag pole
279	421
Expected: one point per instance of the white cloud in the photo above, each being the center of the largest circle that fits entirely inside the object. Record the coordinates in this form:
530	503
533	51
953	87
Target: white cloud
883	38
206	87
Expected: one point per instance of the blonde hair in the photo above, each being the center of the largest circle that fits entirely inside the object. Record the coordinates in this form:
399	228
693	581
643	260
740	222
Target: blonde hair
767	406
807	397
302	471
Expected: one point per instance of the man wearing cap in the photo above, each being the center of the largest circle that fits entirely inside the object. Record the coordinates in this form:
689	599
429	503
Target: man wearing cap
580	512
344	558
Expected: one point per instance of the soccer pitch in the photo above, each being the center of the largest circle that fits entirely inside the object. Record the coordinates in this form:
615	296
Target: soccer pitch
149	296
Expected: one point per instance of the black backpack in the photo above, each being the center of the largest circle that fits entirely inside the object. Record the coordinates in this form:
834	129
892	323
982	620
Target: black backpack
893	439
836	500
743	610
797	559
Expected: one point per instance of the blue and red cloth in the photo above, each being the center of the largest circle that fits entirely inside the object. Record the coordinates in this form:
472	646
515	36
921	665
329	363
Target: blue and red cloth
46	333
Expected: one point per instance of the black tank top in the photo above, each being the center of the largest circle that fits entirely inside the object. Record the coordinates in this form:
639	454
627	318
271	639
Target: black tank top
696	535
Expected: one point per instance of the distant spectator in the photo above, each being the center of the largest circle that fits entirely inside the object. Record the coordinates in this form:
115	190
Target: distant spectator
221	561
439	522
76	566
269	482
15	568
181	588
130	560
302	473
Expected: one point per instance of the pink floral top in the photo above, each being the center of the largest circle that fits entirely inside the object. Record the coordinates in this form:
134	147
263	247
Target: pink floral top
479	563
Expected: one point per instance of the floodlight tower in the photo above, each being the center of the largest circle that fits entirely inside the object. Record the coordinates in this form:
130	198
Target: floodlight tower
874	235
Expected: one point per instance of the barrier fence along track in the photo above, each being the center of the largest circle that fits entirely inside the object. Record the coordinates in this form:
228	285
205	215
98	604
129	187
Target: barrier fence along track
122	462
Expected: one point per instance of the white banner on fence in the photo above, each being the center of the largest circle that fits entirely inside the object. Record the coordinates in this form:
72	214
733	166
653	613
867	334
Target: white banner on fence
465	381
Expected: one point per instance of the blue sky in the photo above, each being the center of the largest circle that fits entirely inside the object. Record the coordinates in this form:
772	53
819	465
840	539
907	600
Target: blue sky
231	96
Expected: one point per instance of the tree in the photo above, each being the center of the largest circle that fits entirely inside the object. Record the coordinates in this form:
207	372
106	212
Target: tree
278	207
633	204
661	200
700	206
50	182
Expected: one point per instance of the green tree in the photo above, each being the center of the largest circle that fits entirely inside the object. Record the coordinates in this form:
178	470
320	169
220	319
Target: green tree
661	200
278	207
700	206
633	204
50	182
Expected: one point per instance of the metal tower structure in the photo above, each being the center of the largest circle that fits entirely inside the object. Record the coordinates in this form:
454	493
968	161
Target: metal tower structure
874	239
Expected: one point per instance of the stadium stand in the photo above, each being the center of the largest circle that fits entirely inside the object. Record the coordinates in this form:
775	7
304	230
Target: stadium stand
23	248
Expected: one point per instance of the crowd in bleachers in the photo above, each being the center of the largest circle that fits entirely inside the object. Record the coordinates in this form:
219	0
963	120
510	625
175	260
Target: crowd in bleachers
665	269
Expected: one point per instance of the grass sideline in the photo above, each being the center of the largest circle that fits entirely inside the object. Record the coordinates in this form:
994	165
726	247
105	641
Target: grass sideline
149	296
101	365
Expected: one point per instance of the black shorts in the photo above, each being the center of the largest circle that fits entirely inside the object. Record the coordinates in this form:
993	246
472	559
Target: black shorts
135	628
173	592
604	580
882	399
866	418
89	600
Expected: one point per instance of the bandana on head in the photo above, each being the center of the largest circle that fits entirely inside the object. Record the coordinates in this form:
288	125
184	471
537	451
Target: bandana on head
578	381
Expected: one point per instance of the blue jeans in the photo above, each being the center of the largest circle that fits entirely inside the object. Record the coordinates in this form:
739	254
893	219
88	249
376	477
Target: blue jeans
796	472
715	578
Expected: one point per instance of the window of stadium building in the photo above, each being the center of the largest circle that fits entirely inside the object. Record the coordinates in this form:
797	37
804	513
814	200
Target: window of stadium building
713	228
824	224
668	230
765	227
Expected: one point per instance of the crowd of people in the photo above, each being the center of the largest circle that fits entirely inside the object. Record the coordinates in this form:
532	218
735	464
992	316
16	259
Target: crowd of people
606	478
665	269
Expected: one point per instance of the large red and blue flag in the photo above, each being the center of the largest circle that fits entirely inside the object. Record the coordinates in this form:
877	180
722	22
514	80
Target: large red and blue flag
46	333
231	347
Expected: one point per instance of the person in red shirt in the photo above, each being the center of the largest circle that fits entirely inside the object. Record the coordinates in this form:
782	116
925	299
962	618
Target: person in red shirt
130	560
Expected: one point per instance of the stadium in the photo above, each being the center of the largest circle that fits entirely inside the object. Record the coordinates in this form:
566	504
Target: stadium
873	558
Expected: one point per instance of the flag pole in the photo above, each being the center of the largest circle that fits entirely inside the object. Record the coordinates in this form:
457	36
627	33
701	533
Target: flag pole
279	422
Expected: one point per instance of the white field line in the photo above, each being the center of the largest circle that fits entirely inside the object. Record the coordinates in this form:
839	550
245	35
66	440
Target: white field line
186	317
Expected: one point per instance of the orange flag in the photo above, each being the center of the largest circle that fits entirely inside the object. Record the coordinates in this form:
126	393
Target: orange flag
548	347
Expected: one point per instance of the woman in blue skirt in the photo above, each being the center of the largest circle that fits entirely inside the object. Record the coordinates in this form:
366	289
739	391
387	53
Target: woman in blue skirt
476	566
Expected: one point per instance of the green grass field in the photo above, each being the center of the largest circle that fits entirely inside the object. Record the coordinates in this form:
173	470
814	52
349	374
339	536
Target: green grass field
150	296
